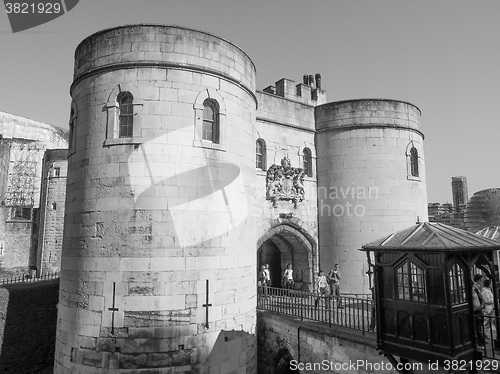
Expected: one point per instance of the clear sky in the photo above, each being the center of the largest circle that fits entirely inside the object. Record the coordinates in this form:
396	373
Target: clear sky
443	56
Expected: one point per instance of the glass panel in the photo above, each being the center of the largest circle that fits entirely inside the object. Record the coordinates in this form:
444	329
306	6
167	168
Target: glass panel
258	152
418	283
207	130
208	111
210	128
126	115
402	281
457	285
307	162
414	162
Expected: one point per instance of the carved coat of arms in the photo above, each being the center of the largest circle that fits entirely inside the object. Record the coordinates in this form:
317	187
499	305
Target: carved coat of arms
284	182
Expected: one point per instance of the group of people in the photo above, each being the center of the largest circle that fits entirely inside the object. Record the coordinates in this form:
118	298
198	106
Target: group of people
328	285
482	302
264	278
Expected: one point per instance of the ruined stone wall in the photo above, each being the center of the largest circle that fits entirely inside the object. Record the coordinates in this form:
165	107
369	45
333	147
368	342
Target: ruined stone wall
365	187
287	127
157	224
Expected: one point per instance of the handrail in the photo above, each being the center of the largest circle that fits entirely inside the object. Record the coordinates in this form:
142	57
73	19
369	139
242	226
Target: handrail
29	279
352	312
490	346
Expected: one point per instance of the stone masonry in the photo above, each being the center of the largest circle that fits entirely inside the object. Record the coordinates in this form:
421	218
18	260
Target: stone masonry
53	195
167	224
158	262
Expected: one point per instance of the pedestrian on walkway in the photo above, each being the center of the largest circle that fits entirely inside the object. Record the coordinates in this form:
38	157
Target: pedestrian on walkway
478	306
268	275
322	289
334	281
288	277
488	311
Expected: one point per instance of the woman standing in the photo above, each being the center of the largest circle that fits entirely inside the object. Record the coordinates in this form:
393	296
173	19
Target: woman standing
488	311
288	277
322	289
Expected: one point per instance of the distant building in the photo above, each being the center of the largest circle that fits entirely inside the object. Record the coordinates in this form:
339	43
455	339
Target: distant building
22	146
459	192
451	214
483	210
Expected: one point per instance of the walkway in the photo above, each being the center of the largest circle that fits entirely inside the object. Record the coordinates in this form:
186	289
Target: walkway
353	312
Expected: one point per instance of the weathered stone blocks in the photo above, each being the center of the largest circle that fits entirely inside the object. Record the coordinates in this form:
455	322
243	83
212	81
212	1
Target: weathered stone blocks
154	222
365	190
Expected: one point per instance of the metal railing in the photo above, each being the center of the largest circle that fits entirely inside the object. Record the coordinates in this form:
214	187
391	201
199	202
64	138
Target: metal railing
29	279
491	347
347	311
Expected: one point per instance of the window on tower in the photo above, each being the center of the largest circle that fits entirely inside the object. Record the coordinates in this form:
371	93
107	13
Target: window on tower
307	162
124	119
126	116
210	128
209	120
260	154
414	162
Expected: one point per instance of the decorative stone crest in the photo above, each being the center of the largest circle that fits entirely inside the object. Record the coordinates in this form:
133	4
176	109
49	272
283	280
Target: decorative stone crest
285	183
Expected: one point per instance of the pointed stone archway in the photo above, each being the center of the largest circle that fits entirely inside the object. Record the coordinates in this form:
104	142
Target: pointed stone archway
286	244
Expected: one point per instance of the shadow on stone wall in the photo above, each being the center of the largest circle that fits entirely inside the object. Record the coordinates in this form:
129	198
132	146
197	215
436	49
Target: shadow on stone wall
28	319
232	351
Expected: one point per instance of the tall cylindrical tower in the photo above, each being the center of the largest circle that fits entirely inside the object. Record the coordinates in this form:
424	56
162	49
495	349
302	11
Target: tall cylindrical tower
371	179
158	261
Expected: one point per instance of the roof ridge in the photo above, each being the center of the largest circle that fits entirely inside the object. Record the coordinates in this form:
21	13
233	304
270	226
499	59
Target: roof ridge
435	234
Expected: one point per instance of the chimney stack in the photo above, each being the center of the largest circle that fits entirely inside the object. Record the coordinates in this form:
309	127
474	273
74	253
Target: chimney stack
311	81
318	81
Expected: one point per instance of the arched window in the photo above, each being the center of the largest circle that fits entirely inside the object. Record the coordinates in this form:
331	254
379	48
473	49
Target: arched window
307	162
411	282
126	117
414	162
260	154
457	285
209	120
210	129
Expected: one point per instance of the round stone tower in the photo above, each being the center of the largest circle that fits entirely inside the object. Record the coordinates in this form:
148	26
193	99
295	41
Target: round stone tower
158	261
371	180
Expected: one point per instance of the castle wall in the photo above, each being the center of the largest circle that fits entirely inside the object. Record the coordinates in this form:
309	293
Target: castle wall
53	195
15	242
22	144
287	127
365	186
158	224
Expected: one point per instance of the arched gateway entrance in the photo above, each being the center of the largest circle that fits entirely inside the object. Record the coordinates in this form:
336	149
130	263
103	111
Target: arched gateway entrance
285	244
